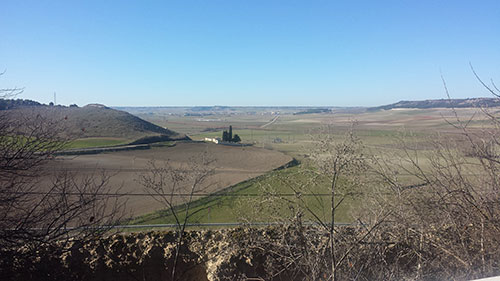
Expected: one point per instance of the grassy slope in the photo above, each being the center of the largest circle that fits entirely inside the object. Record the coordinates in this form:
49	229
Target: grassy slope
97	142
244	206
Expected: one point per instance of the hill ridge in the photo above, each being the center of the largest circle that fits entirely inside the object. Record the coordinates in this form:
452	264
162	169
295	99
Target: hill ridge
93	120
441	103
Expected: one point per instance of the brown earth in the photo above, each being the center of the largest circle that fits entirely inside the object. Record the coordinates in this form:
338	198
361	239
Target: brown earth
273	253
93	121
204	256
232	165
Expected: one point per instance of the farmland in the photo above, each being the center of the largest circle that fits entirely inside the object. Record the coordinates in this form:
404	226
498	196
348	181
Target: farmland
245	176
292	133
295	135
232	165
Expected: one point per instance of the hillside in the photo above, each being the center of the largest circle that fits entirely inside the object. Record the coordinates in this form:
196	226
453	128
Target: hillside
95	120
442	103
17	103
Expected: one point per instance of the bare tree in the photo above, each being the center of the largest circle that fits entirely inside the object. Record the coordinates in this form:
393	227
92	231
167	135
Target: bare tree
33	209
310	244
336	159
175	187
6	93
444	199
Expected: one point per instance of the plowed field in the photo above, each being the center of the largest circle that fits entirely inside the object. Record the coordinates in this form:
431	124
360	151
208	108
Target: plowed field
232	165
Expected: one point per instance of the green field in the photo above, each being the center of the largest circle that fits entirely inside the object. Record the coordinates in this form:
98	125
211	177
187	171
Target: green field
259	200
96	142
381	132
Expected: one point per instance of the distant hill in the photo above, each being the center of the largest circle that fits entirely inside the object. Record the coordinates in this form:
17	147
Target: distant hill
442	103
94	120
313	110
11	104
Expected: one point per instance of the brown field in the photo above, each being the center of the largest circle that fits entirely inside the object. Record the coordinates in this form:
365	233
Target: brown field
232	165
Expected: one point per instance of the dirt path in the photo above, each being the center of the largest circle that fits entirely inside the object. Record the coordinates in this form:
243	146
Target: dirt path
270	122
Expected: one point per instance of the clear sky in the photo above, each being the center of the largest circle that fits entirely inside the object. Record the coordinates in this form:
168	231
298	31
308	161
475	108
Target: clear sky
247	52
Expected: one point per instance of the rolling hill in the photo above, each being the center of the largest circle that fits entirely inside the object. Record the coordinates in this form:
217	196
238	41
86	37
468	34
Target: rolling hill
95	120
442	103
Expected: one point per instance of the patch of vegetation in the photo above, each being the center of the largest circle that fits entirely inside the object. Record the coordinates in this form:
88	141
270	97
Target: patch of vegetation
96	142
157	139
164	144
11	104
227	136
245	202
313	110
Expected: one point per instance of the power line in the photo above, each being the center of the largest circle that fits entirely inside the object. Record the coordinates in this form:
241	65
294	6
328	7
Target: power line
168	194
297	194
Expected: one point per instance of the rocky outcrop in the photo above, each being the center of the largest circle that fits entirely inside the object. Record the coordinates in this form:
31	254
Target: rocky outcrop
284	252
230	254
205	255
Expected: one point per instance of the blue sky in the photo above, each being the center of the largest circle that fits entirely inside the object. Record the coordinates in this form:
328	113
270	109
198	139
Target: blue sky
247	52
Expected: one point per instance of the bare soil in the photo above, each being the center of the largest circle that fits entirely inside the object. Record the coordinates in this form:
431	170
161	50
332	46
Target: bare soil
232	165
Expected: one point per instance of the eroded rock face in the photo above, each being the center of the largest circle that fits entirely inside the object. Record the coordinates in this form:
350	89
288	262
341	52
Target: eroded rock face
230	254
204	255
213	255
286	252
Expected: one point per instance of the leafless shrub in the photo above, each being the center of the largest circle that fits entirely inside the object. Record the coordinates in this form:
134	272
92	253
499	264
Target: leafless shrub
6	93
445	202
175	186
432	211
311	244
33	212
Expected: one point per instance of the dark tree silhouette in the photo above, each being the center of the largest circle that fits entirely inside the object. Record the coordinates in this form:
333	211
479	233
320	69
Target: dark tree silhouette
225	136
236	138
